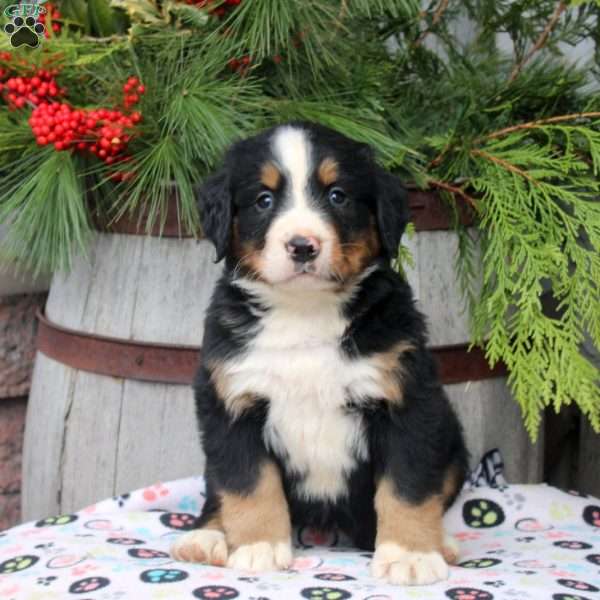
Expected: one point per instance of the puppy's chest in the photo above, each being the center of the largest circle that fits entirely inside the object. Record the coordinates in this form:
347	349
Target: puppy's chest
296	363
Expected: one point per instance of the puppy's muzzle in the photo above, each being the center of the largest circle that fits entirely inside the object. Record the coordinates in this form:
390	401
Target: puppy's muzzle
303	249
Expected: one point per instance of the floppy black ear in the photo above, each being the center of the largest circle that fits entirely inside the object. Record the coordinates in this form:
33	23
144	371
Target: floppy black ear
214	204
392	211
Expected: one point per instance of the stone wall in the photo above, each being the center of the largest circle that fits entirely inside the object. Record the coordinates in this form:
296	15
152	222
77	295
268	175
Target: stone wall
17	350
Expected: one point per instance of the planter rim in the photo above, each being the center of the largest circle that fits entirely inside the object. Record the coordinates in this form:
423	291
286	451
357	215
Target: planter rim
176	364
428	213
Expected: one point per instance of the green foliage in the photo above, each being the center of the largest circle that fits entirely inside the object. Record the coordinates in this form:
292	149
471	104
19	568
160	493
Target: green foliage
540	228
43	202
443	106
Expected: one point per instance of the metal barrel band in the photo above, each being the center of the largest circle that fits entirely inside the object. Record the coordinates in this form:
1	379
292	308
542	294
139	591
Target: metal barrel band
428	213
175	364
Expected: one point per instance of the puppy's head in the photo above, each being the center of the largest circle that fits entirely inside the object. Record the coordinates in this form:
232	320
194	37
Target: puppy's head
302	205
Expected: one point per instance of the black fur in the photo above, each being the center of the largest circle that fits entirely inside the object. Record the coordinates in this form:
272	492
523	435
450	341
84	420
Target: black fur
416	442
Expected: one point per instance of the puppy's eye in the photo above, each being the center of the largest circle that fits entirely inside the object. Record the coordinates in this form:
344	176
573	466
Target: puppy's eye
337	196
264	200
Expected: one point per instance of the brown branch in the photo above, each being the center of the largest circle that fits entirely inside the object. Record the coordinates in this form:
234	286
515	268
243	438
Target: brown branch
541	41
437	15
535	124
454	190
505	164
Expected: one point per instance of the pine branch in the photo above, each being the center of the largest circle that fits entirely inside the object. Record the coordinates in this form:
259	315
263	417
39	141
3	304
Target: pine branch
437	15
454	190
540	42
537	124
505	164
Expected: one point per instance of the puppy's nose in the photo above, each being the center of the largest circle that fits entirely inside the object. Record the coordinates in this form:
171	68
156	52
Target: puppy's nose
303	249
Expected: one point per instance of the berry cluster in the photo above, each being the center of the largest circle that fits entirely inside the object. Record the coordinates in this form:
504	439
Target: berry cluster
42	87
54	13
132	91
5	57
220	11
240	65
104	133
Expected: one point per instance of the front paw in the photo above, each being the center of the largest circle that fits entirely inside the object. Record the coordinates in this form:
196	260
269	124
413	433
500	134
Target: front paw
400	566
206	546
261	556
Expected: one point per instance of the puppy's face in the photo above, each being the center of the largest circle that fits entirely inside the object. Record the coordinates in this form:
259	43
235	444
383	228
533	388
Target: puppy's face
302	206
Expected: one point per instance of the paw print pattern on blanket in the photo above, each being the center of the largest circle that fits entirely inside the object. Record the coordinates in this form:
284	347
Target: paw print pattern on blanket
580	586
591	515
146	553
480	563
89	584
482	513
572	545
181	521
124	549
163	575
18	563
59	520
468	594
325	593
215	592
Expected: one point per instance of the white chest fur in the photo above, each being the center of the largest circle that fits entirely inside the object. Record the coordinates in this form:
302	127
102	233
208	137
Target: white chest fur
295	362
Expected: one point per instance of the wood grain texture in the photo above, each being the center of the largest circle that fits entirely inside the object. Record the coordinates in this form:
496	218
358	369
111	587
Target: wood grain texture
158	438
492	419
439	296
90	436
49	402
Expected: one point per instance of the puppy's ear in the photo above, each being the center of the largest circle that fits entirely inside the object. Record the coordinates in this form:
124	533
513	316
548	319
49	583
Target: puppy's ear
214	203
392	211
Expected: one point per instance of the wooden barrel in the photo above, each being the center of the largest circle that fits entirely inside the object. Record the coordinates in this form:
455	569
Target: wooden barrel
111	408
88	435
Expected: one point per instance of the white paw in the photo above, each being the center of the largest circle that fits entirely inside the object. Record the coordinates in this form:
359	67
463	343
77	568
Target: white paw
399	566
201	545
450	551
261	556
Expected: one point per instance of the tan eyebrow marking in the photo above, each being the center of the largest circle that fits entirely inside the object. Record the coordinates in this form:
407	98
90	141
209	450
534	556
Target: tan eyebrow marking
328	171
270	175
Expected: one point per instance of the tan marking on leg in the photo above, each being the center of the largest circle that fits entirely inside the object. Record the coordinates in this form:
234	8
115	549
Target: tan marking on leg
391	372
257	525
328	171
235	404
413	526
270	175
410	538
261	515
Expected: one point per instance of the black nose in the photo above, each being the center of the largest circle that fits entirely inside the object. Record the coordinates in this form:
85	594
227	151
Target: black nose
303	249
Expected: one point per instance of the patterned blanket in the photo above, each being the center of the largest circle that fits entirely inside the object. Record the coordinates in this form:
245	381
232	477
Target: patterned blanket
517	542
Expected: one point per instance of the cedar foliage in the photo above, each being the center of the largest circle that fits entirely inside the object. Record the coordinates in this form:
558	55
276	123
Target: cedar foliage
498	119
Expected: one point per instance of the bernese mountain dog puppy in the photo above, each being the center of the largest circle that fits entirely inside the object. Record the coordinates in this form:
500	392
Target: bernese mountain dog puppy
317	398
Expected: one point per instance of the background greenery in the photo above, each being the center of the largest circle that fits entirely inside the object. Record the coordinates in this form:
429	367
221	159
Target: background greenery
498	120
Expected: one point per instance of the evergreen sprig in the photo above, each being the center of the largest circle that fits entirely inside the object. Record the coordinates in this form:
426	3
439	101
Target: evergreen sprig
536	186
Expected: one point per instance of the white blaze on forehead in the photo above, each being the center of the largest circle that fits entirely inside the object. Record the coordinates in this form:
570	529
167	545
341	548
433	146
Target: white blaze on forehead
292	150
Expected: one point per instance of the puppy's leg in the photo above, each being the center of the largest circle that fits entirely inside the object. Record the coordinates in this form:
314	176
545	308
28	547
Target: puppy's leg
257	524
410	538
207	543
